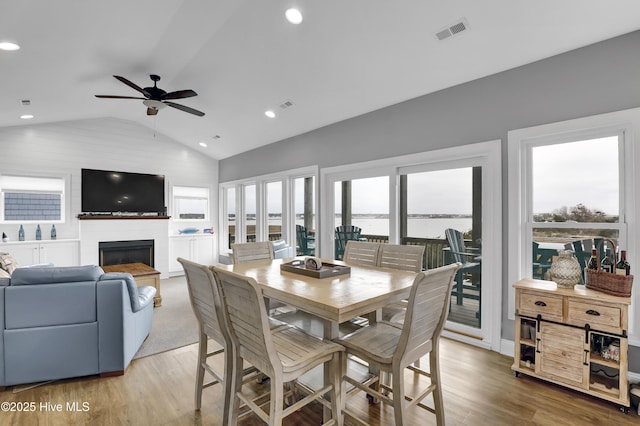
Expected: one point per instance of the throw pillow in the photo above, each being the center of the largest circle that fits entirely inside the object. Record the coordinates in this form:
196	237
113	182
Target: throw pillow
8	263
4	274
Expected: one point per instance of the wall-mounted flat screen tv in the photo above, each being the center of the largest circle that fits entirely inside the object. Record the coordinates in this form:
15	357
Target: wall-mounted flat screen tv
121	192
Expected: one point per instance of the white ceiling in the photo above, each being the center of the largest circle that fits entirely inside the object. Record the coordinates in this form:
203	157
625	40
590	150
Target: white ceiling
347	58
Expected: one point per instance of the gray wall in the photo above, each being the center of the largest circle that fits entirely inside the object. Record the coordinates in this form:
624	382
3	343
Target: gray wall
596	79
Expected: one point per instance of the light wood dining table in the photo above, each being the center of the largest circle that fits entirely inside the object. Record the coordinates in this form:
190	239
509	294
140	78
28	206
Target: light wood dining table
334	299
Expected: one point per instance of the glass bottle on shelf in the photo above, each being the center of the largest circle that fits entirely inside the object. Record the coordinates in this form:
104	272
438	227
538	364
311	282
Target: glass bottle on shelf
54	234
21	233
606	265
623	267
38	233
593	260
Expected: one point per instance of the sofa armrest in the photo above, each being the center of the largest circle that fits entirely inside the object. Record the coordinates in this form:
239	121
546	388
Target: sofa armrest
137	297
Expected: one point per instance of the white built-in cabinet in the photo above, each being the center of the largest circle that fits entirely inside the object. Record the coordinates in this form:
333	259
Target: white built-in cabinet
57	252
198	248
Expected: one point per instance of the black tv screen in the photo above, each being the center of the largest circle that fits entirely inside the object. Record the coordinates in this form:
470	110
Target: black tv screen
121	192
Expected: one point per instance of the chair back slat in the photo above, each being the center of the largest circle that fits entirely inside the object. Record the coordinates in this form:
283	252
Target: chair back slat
396	256
247	319
361	253
249	252
427	310
204	298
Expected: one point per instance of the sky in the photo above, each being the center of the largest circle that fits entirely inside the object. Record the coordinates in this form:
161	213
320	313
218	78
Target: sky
578	172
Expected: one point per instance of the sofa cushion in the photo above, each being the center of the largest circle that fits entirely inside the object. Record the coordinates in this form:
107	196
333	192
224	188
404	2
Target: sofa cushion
8	263
53	275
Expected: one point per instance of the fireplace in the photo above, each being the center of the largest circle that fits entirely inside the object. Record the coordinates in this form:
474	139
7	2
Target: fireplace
119	252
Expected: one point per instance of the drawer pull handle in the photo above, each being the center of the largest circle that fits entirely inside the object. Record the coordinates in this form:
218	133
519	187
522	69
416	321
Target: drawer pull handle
540	303
592	312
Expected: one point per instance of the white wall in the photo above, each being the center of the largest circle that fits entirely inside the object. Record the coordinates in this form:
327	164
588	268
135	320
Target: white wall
110	144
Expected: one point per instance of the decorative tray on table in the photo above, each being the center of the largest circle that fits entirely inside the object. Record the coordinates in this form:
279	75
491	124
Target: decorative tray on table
326	269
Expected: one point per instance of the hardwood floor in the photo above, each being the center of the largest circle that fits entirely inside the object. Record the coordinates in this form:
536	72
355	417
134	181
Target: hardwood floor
479	389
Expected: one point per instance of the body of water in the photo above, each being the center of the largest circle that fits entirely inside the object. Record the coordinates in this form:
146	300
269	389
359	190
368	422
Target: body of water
418	227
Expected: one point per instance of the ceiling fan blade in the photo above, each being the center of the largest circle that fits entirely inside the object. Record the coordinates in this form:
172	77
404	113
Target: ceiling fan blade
152	111
118	97
130	84
185	108
180	94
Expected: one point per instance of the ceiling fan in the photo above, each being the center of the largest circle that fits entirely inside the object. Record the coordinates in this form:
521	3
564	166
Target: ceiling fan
155	98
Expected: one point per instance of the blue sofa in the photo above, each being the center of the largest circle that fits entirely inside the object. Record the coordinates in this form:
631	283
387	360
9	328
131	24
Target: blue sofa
62	322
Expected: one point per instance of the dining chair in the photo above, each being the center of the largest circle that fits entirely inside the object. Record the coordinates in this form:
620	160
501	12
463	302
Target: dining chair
344	234
305	243
405	258
283	354
205	301
248	252
391	347
361	253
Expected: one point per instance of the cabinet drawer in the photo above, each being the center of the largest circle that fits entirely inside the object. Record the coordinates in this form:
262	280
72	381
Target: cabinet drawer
531	304
599	316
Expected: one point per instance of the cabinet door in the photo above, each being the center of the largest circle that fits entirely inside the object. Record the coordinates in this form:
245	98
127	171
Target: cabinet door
60	253
178	247
562	355
203	250
25	254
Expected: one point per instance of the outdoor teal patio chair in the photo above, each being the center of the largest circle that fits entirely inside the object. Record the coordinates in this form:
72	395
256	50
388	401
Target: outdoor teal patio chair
306	244
471	264
542	259
344	234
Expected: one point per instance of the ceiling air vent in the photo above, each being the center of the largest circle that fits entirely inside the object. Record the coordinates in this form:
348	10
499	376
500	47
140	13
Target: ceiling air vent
452	30
286	104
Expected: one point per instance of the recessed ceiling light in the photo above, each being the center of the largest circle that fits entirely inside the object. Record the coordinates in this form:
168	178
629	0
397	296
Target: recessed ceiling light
270	114
202	144
26	116
7	45
294	16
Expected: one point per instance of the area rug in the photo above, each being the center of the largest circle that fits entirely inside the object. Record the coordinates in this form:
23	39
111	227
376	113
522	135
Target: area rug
174	324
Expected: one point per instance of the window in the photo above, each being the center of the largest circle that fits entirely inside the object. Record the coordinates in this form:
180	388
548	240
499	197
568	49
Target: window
364	203
229	218
570	186
268	207
274	209
32	199
412	199
191	203
249	205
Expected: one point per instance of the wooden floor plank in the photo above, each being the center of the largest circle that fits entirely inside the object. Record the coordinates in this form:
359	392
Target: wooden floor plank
479	389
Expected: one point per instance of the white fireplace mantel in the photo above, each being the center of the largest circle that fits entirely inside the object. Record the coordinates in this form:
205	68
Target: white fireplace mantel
121	229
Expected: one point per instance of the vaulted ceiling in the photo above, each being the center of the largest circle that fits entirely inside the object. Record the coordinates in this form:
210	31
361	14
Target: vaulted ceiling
243	57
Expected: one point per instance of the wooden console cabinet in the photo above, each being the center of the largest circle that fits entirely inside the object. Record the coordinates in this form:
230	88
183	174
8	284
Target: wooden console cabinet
576	338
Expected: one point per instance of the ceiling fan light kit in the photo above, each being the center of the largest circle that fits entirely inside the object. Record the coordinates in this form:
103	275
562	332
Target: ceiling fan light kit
155	98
